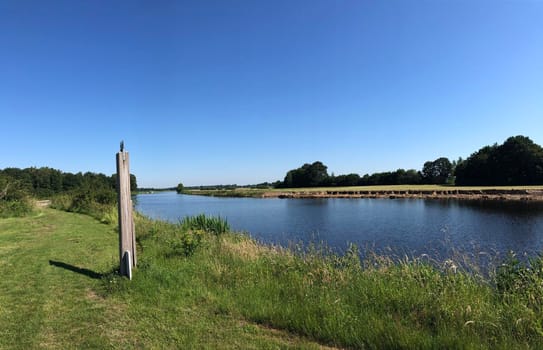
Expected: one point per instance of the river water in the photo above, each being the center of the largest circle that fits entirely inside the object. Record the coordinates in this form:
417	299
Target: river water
414	227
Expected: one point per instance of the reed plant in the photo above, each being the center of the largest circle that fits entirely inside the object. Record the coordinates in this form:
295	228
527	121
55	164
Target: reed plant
211	224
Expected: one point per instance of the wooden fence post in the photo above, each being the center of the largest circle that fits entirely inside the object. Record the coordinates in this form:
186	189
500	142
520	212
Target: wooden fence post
127	234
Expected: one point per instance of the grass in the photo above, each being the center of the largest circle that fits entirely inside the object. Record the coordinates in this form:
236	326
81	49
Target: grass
238	192
250	192
43	305
58	291
199	286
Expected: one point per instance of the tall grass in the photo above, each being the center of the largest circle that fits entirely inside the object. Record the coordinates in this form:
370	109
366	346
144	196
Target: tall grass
214	225
340	300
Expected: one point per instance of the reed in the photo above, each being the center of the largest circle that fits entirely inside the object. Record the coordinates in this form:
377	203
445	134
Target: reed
214	225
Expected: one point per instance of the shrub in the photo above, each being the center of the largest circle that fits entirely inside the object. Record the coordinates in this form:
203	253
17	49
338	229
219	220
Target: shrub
99	203
15	208
14	198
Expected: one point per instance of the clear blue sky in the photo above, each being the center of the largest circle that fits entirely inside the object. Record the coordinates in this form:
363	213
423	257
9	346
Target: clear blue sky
217	92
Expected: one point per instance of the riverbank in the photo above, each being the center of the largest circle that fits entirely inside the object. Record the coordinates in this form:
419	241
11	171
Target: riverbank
516	193
201	287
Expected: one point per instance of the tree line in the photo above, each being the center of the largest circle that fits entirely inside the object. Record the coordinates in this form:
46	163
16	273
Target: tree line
518	161
89	193
46	182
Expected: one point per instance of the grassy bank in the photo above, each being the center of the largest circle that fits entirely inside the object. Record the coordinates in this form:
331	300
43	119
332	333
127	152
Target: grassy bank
259	193
199	286
237	192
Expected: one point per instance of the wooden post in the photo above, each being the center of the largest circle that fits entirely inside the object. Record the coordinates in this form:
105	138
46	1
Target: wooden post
127	235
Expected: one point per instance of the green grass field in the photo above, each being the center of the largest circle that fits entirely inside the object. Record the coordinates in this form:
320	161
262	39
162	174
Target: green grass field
57	292
199	287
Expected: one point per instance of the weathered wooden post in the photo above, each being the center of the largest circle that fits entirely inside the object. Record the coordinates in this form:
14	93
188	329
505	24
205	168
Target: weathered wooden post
127	234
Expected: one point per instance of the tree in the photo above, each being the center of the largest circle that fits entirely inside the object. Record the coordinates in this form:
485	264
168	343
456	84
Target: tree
180	188
437	171
316	174
518	161
133	183
309	175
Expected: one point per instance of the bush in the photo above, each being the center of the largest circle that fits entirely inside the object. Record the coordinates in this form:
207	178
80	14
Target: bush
16	208
14	198
99	203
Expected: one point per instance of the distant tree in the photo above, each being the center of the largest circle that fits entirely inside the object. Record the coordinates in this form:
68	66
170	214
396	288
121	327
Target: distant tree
477	169
180	188
277	184
437	171
309	175
316	174
518	161
47	182
11	189
408	177
346	180
398	177
133	183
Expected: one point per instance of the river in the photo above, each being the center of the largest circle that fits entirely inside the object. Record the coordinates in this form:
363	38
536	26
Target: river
439	228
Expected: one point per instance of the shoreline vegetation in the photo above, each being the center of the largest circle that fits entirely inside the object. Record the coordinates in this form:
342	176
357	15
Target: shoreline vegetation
509	193
199	285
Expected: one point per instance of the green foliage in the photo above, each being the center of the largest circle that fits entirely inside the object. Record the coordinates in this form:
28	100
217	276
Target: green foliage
183	238
398	177
46	182
437	171
98	202
214	225
17	208
180	188
309	175
14	198
315	175
184	242
518	161
524	280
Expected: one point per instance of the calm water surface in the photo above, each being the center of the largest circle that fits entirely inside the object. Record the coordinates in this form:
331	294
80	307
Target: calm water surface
411	226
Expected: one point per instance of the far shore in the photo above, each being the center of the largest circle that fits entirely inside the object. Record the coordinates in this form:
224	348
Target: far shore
510	193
